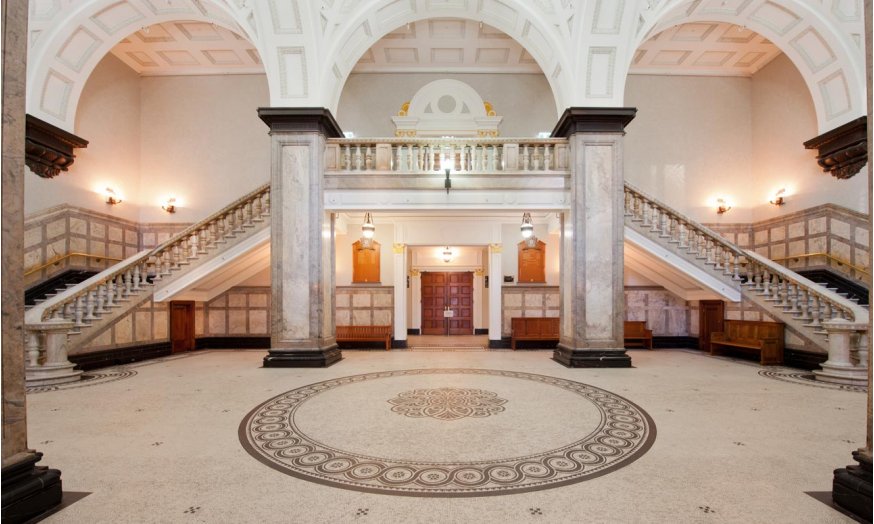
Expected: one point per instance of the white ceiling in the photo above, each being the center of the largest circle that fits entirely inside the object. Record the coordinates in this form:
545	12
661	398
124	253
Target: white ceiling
188	48
444	45
704	49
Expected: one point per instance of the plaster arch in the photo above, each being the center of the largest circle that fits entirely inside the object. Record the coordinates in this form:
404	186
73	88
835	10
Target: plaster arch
68	49
377	18
830	62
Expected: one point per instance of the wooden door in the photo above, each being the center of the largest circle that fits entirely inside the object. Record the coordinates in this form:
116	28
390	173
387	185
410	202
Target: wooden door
459	298
442	290
181	326
711	316
433	303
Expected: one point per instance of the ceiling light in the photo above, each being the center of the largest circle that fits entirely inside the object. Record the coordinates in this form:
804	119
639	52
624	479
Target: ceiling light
447	254
527	227
367	228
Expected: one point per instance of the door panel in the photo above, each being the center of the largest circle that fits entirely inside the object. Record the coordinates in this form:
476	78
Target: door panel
710	320
181	326
442	290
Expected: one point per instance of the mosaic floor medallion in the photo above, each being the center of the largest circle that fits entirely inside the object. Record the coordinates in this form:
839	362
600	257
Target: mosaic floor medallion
464	432
89	378
807	378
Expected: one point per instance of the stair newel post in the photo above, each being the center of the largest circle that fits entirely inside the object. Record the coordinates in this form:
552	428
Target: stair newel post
32	348
79	311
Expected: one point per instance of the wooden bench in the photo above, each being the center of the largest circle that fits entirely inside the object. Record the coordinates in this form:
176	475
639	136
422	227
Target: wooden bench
636	333
533	328
766	338
365	334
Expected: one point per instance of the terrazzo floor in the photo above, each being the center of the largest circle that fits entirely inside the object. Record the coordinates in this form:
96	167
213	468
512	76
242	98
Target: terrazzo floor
487	436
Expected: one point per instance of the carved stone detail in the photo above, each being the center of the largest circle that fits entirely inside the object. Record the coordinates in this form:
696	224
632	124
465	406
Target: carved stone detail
843	151
49	149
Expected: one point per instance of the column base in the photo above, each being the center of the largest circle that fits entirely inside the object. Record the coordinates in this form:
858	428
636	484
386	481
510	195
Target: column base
51	374
303	358
29	490
854	376
591	358
851	488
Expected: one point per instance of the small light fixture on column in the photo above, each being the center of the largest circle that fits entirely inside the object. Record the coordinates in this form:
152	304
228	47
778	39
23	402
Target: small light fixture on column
447	255
111	197
367	228
778	197
170	205
724	206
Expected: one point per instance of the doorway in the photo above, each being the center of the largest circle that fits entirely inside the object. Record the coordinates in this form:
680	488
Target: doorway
181	326
447	303
710	320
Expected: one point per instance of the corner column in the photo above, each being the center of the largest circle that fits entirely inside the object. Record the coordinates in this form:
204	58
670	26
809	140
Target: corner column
400	301
496	280
28	489
302	332
592	236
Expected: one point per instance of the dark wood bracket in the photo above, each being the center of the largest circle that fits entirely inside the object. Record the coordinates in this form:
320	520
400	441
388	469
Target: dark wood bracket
49	149
843	151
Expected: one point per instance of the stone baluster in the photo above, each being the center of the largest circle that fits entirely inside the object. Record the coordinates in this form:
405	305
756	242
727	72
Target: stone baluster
655	221
238	219
463	154
89	305
358	158
119	288
547	157
803	301
110	293
535	158
135	278
683	235
267	203
101	300
525	158
368	158
32	348
347	157
127	283
257	212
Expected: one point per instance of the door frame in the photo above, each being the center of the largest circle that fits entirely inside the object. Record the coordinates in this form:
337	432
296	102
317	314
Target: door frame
472	300
189	306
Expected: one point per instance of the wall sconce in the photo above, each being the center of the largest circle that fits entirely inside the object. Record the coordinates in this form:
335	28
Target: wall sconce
111	197
447	253
367	228
170	205
778	197
723	206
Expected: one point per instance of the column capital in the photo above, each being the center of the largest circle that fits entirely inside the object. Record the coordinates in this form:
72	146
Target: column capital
398	248
49	149
496	248
300	119
593	120
843	151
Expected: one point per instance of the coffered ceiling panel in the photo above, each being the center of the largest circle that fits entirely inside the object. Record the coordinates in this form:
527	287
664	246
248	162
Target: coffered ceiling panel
188	48
704	48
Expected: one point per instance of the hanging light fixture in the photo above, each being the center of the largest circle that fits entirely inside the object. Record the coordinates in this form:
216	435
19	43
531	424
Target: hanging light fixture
447	255
367	228
527	227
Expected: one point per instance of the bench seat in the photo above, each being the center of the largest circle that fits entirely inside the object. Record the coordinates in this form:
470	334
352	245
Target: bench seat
637	334
541	329
765	338
365	334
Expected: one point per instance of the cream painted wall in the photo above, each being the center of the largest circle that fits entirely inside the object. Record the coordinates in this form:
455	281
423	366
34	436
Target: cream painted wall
109	118
369	100
202	141
691	142
783	119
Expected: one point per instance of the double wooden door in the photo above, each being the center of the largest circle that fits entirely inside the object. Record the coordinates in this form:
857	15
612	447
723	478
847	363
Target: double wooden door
447	303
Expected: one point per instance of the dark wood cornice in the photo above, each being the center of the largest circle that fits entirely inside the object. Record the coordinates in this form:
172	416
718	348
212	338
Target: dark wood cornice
300	119
593	120
843	151
49	149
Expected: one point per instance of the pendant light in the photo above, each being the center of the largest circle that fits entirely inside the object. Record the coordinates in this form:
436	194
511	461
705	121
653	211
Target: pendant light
527	227
368	229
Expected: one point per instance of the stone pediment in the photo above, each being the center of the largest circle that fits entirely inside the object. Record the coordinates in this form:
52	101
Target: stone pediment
447	108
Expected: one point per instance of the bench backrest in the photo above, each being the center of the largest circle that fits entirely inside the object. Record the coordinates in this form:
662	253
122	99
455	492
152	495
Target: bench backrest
535	326
753	330
636	328
363	331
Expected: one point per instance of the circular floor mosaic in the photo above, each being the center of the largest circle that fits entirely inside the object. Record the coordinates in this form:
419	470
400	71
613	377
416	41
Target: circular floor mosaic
463	432
807	378
89	378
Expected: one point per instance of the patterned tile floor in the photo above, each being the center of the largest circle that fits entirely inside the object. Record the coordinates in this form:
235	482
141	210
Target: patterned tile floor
164	445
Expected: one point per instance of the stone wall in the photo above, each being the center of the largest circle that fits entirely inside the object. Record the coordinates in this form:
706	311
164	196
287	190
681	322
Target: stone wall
831	229
528	301
364	306
147	324
665	313
61	230
240	311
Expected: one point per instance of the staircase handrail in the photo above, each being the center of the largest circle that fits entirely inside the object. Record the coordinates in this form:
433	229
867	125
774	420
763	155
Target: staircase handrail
859	314
447	141
56	304
746	258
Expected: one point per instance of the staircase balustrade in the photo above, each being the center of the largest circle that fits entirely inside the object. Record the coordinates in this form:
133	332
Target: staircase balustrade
823	316
50	325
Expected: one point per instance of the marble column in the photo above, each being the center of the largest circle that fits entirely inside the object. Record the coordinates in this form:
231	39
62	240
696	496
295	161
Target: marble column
496	280
302	330
400	285
478	277
416	299
592	236
851	485
28	490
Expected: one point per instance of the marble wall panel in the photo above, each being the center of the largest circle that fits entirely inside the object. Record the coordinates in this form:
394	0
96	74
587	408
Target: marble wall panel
665	314
527	301
240	311
146	324
364	306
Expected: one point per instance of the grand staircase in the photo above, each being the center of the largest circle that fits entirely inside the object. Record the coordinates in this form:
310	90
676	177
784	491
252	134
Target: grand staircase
824	318
74	317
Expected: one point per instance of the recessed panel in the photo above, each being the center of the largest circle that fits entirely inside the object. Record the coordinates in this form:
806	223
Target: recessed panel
447	55
198	31
116	16
443	28
401	55
222	57
492	56
79	48
178	58
713	58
